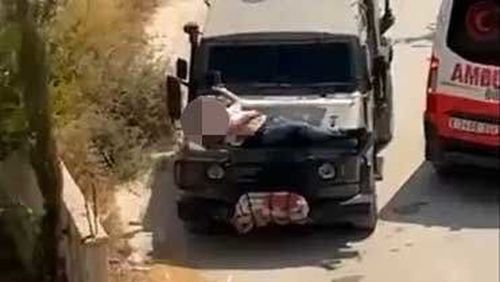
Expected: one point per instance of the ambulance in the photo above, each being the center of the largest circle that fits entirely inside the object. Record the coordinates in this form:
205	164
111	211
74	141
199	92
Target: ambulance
462	116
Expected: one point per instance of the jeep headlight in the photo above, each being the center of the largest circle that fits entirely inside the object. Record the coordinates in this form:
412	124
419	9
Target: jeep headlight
327	171
215	172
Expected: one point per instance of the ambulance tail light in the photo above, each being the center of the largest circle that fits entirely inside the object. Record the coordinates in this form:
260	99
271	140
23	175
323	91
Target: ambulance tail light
433	75
432	83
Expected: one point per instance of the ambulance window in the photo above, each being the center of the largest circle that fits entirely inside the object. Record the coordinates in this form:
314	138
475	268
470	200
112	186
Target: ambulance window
474	31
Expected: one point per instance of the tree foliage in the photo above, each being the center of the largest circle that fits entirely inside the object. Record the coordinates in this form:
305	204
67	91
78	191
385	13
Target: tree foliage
107	94
107	89
26	119
13	123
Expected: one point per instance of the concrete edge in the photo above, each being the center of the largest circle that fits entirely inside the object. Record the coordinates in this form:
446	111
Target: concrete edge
83	219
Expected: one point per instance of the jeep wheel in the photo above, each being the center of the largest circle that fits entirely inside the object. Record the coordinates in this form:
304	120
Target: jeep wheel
203	227
369	221
384	117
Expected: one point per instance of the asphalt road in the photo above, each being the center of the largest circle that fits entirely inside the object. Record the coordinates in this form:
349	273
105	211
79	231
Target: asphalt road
430	229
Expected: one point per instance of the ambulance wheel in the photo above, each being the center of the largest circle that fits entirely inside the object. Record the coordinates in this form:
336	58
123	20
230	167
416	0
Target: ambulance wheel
434	155
442	169
434	152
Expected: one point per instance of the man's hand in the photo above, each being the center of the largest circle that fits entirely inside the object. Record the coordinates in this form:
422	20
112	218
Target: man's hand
241	122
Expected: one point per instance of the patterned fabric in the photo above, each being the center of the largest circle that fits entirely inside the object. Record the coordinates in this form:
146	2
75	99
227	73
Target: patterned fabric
256	210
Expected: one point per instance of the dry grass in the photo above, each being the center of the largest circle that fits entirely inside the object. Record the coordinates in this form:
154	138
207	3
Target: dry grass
107	94
108	101
157	273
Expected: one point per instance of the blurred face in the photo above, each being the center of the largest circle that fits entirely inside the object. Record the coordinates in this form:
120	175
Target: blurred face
208	121
205	119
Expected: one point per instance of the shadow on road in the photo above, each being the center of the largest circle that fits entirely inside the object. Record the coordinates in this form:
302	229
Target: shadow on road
421	41
411	40
265	250
468	199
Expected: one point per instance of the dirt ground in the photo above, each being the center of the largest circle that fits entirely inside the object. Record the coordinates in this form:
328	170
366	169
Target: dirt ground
157	273
168	40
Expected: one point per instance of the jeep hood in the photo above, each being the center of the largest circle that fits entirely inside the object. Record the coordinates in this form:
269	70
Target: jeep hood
336	112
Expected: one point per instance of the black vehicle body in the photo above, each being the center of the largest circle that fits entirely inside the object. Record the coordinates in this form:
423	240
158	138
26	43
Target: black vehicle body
277	61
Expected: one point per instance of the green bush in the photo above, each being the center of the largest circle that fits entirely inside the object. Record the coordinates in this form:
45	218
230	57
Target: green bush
13	123
107	90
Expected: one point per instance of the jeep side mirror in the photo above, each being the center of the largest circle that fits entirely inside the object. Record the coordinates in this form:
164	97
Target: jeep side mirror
193	30
365	78
174	97
182	69
388	20
379	65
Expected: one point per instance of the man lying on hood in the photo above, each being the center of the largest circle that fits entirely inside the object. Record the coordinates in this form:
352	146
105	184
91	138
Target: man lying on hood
207	120
250	128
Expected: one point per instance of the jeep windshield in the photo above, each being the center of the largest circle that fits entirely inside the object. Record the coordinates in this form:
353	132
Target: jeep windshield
329	65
